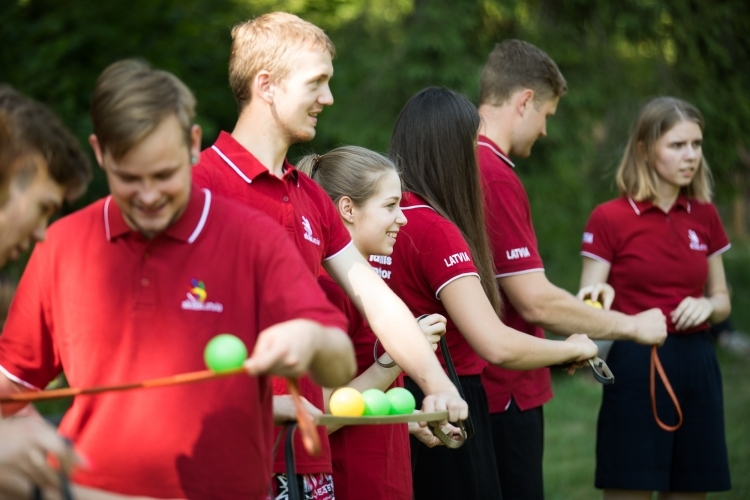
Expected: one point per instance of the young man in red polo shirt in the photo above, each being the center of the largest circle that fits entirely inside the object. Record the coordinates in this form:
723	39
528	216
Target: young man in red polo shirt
520	88
41	163
134	286
279	70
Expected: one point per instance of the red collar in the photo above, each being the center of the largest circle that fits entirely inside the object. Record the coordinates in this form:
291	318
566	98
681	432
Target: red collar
242	161
186	228
644	206
484	141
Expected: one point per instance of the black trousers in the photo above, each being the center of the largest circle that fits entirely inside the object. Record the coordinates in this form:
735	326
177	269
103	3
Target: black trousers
469	472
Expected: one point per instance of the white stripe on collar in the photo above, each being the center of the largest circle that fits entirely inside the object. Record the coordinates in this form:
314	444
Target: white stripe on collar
638	212
417	206
231	164
632	204
204	216
498	153
106	218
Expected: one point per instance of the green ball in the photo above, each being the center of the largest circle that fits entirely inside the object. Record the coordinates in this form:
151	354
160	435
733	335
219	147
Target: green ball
376	402
224	352
402	401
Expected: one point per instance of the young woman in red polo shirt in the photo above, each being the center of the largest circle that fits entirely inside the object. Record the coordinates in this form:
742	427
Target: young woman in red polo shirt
659	245
435	267
369	461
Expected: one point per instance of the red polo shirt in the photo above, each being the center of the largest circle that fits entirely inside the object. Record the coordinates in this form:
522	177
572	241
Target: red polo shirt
657	259
108	306
309	217
514	250
429	254
369	461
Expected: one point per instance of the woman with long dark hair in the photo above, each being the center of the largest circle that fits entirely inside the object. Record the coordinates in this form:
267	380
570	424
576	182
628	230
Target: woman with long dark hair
442	264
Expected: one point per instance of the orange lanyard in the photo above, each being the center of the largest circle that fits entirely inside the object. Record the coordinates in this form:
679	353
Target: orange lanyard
656	366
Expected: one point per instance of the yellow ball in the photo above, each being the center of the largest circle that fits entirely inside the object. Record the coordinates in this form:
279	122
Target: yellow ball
347	402
593	303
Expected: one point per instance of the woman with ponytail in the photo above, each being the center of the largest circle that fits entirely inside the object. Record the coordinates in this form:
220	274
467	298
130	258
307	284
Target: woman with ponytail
369	461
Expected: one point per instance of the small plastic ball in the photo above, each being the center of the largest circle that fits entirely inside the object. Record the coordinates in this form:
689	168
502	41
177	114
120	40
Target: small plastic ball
593	303
346	402
402	401
376	402
224	352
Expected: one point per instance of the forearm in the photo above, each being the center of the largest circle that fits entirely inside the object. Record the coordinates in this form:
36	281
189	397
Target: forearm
8	388
333	363
519	351
558	311
722	307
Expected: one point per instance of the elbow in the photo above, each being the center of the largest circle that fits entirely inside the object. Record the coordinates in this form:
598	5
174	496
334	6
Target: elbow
532	312
497	355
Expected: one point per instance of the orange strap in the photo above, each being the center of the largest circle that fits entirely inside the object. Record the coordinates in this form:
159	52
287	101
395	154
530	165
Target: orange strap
656	364
310	436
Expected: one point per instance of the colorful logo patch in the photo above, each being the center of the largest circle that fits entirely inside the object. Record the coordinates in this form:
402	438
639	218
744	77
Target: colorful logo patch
196	299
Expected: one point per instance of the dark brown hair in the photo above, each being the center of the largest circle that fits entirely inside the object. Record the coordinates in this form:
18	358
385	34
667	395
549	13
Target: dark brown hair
34	129
514	65
434	145
131	99
348	171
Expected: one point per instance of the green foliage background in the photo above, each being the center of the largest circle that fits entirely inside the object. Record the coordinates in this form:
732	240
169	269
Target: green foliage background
615	56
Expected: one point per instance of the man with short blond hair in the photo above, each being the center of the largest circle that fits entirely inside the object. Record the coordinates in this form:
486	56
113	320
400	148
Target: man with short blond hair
280	70
520	88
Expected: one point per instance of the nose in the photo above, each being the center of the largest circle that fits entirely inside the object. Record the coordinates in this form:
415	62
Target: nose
326	96
148	195
401	219
692	152
39	233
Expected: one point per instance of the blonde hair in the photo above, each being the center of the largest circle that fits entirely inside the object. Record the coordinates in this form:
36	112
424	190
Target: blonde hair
636	175
269	43
350	171
131	99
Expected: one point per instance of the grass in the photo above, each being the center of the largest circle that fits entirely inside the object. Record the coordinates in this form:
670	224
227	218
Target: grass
570	433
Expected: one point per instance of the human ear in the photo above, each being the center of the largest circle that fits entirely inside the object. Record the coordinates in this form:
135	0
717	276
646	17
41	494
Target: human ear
94	141
195	143
345	207
524	101
263	86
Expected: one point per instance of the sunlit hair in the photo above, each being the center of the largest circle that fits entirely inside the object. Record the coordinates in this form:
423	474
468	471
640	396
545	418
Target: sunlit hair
34	137
348	171
130	101
514	65
434	144
270	42
636	175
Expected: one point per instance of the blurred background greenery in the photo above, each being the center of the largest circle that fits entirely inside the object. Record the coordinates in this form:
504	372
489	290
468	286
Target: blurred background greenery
615	56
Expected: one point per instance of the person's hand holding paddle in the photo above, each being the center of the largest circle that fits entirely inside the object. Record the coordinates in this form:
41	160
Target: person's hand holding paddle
433	327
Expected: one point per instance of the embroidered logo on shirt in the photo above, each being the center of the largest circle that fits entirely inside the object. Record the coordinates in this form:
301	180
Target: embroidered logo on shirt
588	238
196	298
695	243
308	231
517	253
381	259
454	259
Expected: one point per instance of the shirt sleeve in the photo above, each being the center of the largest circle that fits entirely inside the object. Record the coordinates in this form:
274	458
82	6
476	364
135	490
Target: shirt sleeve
597	242
510	230
288	287
444	256
718	241
28	353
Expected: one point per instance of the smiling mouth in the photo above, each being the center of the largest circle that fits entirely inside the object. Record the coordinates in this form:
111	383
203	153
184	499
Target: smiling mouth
392	234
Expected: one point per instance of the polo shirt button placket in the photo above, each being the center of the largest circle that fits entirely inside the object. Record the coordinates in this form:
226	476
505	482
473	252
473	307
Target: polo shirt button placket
286	199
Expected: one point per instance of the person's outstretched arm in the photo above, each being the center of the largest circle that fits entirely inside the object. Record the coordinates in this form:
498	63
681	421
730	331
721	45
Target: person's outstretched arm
541	303
471	311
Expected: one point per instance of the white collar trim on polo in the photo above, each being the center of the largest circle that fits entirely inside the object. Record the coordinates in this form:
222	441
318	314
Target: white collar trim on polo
638	212
231	164
196	232
498	153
